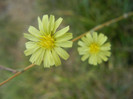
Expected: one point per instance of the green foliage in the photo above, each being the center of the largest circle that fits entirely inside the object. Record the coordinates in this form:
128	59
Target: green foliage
74	79
9	36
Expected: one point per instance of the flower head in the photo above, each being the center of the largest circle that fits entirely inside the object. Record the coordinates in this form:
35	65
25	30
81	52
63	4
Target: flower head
46	43
94	48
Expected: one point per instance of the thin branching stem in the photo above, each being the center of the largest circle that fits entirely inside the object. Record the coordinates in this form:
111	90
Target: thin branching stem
18	73
7	69
126	15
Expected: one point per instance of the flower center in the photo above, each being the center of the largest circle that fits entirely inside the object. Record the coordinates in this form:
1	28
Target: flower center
47	42
94	48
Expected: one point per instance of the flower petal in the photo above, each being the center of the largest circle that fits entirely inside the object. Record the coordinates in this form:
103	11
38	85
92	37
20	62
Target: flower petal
57	23
64	37
105	47
102	56
40	24
62	53
107	53
86	41
41	56
45	23
37	56
89	37
30	37
95	37
51	58
31	48
84	57
65	44
93	59
51	23
80	43
30	45
46	61
61	32
99	60
29	51
83	50
101	39
56	58
34	31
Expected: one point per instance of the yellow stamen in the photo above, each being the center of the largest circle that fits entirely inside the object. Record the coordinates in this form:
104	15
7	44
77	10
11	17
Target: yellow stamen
47	41
94	48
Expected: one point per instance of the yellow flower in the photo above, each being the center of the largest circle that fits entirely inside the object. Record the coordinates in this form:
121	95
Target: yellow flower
94	48
46	44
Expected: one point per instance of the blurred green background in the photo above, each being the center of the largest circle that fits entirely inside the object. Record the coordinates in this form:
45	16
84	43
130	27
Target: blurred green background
73	79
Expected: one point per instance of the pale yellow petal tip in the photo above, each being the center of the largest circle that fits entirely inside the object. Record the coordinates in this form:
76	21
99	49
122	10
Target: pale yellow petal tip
33	62
25	35
26	53
45	15
67	28
45	18
60	18
94	45
93	63
70	44
46	45
38	18
82	58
